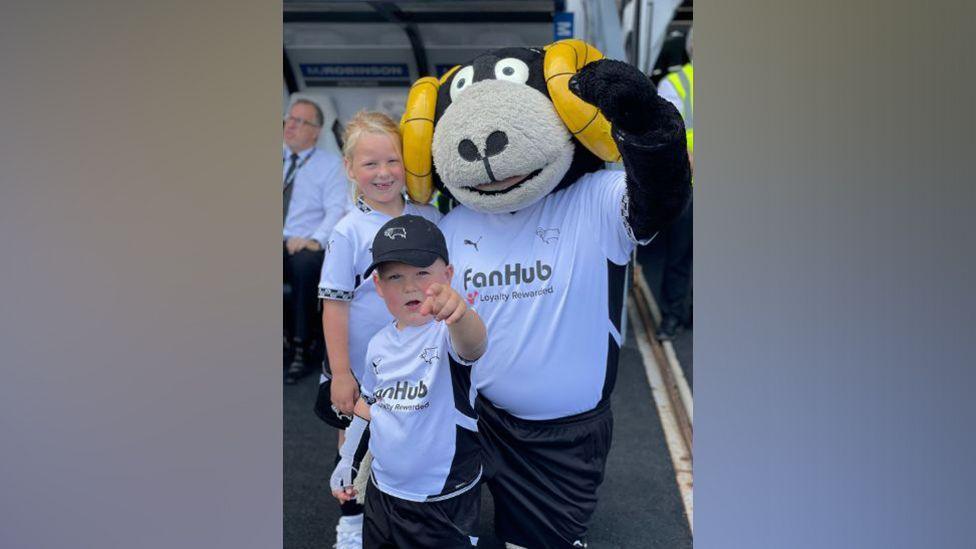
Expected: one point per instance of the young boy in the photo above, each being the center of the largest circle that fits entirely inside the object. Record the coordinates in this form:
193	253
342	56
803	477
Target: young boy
415	412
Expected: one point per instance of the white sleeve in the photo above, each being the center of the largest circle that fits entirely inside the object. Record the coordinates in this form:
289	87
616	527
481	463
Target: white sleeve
350	454
338	280
433	214
667	91
604	193
334	199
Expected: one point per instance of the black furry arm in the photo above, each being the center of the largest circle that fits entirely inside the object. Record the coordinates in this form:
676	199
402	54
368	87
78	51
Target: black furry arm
650	136
658	173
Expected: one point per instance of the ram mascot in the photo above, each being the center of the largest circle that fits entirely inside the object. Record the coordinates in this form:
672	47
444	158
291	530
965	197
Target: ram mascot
540	240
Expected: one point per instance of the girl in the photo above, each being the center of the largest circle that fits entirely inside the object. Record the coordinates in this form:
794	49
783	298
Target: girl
352	312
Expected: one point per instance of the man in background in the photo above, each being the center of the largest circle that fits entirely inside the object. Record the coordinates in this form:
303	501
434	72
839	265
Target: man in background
315	198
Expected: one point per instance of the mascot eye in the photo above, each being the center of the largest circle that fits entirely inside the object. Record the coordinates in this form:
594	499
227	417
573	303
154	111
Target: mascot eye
512	69
461	81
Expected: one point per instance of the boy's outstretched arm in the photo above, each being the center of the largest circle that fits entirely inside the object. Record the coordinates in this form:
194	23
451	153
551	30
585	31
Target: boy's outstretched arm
468	332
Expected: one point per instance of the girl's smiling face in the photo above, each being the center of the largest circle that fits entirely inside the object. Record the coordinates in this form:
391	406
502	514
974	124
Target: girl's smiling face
377	169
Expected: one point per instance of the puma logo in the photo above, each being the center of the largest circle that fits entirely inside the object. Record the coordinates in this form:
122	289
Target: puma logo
474	243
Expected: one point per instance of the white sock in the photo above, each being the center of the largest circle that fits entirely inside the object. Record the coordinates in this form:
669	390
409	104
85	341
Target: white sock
353	520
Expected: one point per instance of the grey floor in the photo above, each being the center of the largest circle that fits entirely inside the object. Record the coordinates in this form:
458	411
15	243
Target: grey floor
651	259
640	505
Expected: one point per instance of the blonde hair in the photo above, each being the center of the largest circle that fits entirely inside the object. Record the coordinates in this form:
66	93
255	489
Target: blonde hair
368	122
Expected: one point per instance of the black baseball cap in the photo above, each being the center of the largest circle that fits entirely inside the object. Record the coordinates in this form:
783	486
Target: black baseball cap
409	239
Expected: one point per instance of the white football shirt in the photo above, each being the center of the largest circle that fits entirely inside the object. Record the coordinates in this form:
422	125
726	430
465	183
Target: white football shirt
422	427
548	281
348	254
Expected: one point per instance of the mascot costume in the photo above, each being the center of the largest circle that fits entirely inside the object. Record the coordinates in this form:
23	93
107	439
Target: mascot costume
540	242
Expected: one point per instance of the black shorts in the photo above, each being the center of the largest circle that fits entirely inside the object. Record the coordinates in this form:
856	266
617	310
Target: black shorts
394	523
543	475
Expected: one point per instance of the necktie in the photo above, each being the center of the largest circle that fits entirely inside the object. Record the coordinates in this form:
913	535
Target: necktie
289	184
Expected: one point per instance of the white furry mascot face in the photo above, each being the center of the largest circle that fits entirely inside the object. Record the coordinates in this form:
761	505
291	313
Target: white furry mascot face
499	144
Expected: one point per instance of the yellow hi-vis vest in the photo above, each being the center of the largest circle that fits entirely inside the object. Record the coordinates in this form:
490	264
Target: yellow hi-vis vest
683	81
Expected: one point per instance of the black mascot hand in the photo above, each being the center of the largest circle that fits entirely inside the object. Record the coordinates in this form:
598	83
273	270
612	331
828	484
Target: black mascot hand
650	136
624	95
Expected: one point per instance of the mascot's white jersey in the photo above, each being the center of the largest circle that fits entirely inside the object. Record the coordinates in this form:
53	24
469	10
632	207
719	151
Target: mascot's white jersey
347	256
422	429
548	282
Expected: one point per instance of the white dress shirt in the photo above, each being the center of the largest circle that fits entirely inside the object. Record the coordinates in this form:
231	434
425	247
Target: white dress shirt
319	196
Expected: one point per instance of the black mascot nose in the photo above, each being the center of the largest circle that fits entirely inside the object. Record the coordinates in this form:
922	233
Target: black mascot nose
494	145
468	151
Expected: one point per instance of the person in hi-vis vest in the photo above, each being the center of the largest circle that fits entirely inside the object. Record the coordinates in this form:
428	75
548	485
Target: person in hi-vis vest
678	88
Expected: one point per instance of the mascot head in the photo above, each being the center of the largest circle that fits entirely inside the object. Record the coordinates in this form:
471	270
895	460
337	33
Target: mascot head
504	130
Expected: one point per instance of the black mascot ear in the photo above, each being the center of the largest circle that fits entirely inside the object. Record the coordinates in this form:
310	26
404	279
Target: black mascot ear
417	132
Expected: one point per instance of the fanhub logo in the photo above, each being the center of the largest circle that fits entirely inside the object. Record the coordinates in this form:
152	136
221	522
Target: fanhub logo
403	390
511	274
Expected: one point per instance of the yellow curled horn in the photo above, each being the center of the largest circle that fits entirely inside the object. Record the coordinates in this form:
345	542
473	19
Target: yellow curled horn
586	122
417	131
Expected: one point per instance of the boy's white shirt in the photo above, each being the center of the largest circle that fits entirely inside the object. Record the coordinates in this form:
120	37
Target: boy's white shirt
347	256
414	415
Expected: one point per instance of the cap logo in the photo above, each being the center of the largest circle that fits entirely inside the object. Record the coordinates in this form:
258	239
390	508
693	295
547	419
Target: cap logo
395	232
